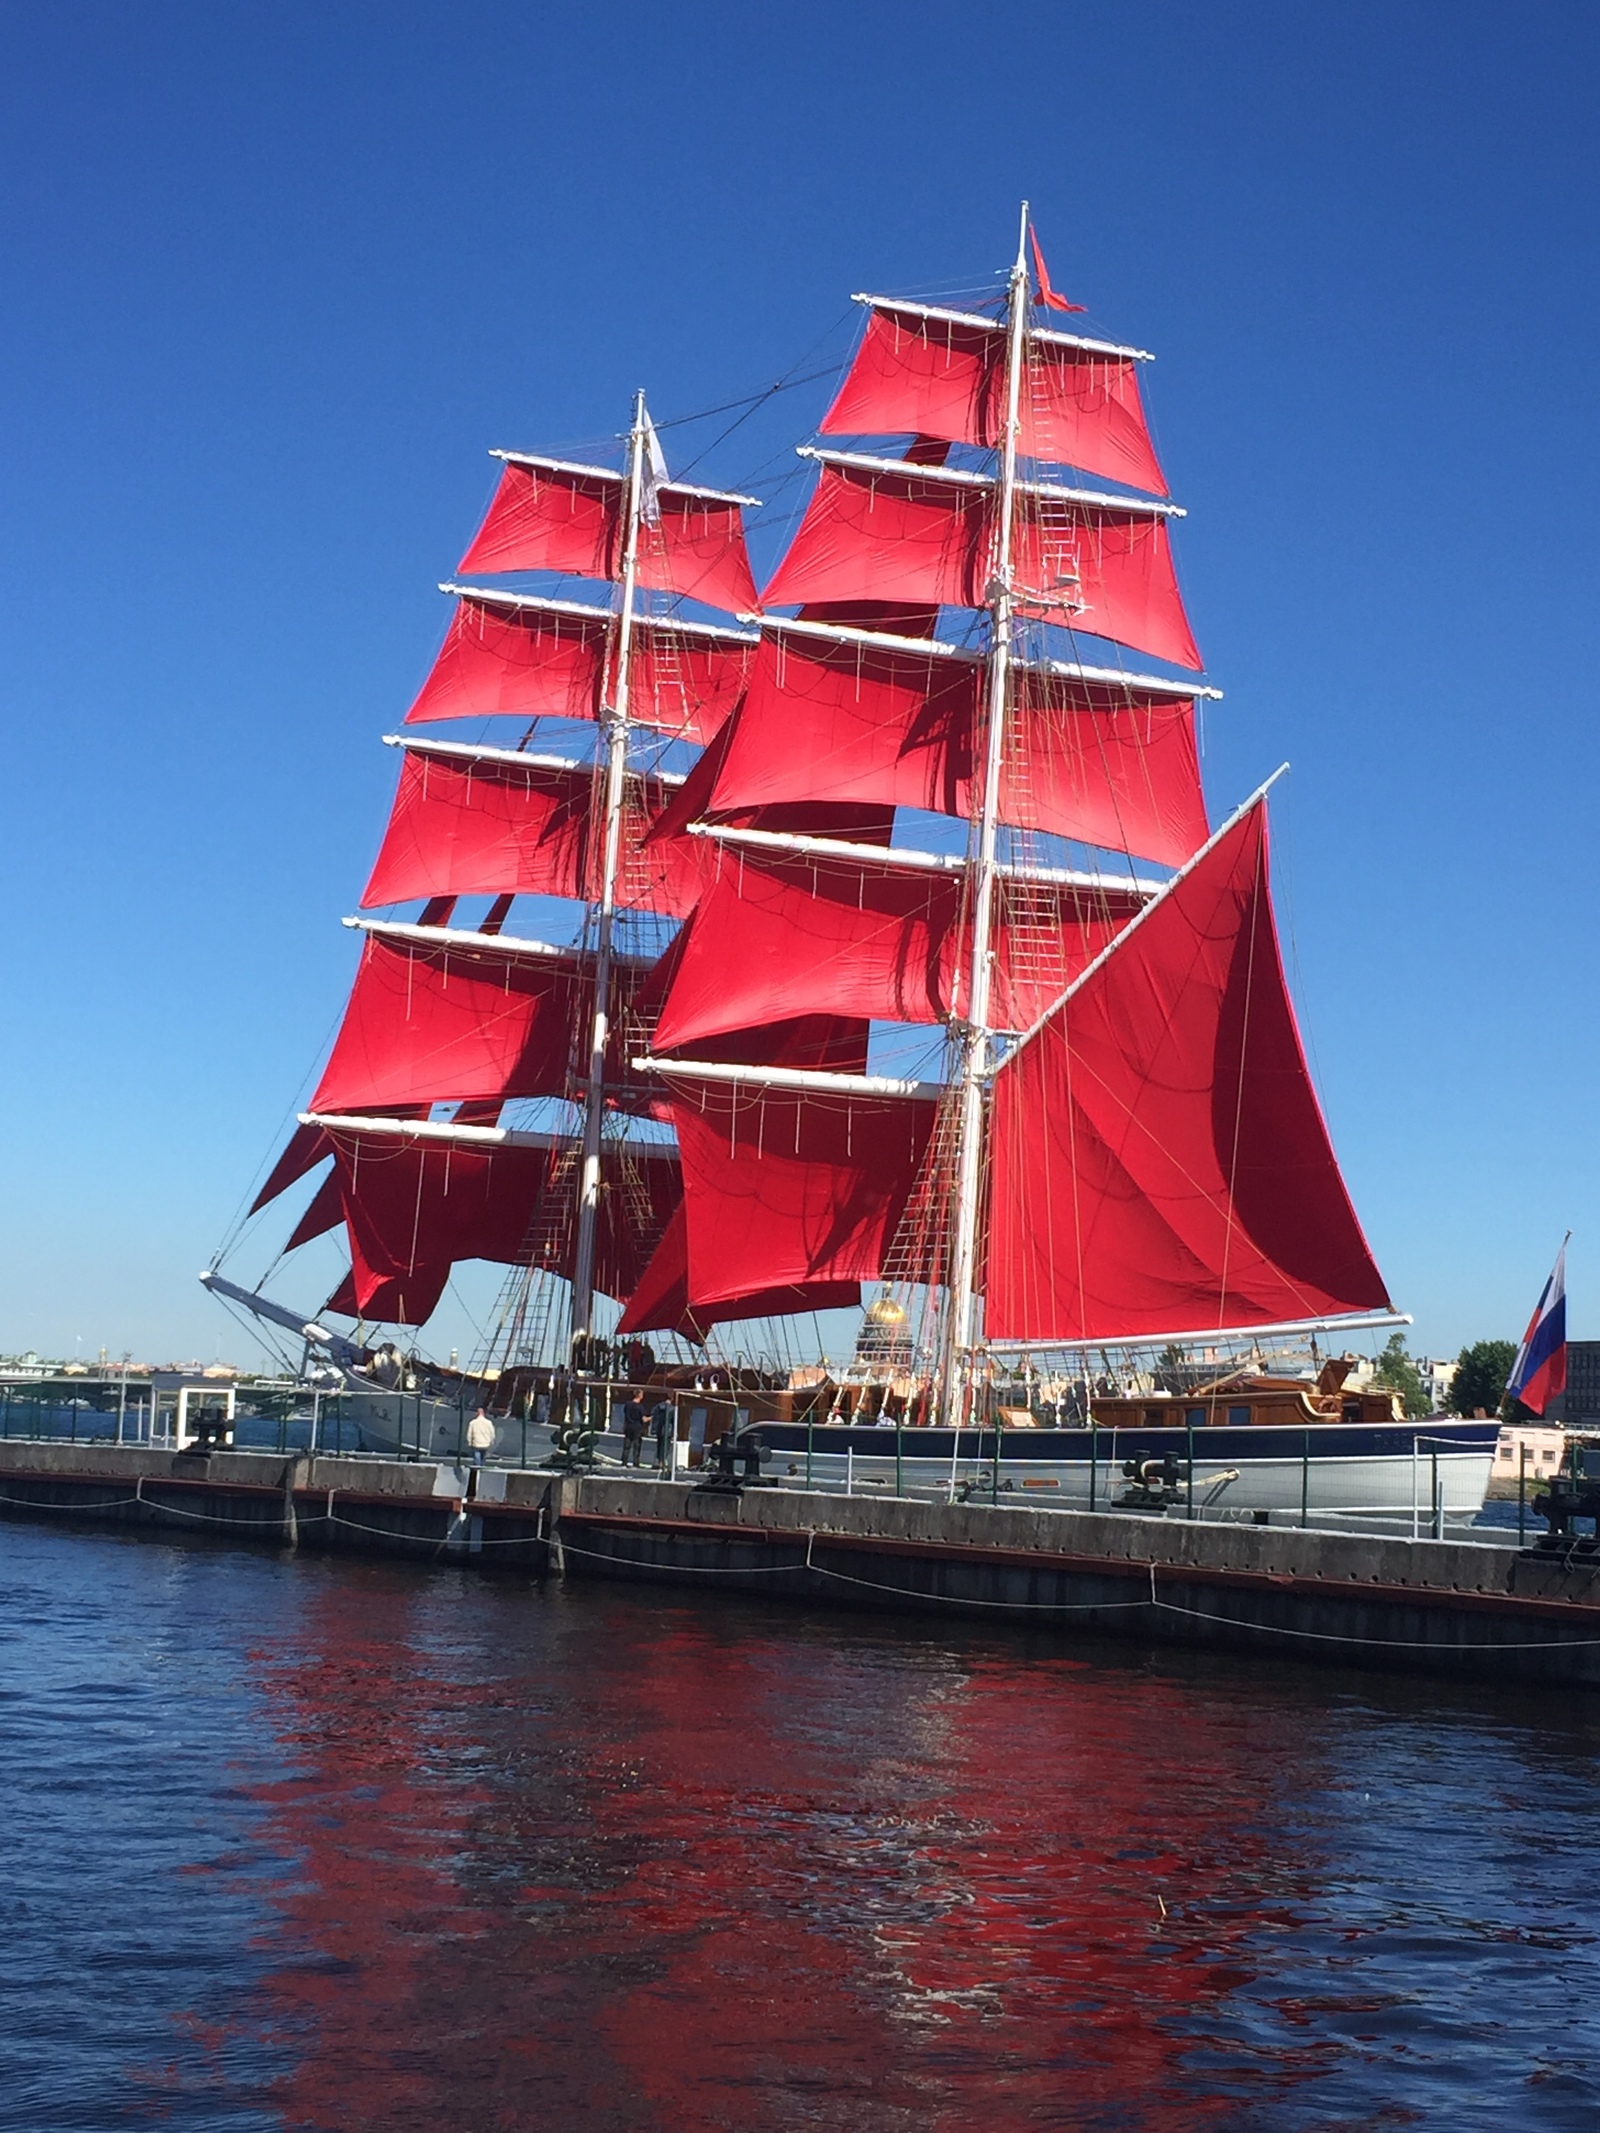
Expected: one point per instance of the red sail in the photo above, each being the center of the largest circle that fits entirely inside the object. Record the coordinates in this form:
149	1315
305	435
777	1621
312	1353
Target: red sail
549	662
1160	1163
660	1304
783	1189
1078	405
842	721
570	519
413	1207
430	1024
785	934
474	825
872	823
305	1148
389	1299
871	535
324	1211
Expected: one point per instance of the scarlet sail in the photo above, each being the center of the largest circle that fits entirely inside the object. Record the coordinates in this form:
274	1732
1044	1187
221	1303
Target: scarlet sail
433	1023
661	1304
483	822
324	1211
389	1299
548	659
878	530
781	1189
779	934
943	374
1159	1159
305	1148
414	1208
850	718
547	515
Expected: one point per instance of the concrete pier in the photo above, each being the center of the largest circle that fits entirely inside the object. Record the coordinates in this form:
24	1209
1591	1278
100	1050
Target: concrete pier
1456	1608
354	1506
1445	1607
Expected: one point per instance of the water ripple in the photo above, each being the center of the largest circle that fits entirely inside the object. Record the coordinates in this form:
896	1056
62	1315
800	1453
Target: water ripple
306	1846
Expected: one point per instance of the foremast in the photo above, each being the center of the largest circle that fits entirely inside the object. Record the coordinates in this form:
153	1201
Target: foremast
616	726
976	1038
472	1017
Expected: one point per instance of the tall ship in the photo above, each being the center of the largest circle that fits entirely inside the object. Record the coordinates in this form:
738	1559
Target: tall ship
871	962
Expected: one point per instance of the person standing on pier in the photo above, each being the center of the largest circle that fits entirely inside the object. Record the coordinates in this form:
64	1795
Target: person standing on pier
664	1428
632	1428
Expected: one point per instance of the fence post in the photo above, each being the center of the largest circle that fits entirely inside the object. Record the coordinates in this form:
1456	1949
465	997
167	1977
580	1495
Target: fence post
1522	1494
1305	1481
1438	1507
1094	1458
811	1423
899	1467
1414	1531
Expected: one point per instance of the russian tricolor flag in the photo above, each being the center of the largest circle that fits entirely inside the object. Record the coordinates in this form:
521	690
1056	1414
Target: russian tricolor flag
1540	1370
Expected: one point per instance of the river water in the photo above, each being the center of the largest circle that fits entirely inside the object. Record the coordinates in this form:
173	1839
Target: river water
293	1844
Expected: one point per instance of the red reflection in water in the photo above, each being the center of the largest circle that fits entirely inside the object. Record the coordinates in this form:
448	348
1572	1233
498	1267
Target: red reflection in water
646	1863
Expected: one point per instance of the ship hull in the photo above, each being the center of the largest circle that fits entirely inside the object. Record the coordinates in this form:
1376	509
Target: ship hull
1329	1470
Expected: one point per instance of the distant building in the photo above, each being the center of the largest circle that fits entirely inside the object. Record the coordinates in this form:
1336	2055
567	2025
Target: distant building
1438	1377
1580	1402
1543	1449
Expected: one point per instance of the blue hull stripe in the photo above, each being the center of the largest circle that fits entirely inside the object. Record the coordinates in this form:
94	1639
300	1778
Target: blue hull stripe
1236	1447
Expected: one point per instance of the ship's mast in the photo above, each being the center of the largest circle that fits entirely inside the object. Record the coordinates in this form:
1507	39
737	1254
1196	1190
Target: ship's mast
616	737
976	1061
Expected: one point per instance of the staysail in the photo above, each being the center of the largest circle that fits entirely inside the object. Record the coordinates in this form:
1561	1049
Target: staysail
1159	1158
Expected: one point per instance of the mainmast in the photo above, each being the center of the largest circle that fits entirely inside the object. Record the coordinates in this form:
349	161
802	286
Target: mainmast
616	724
976	1047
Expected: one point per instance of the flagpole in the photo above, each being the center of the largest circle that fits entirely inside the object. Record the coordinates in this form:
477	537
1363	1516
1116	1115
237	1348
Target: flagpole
616	726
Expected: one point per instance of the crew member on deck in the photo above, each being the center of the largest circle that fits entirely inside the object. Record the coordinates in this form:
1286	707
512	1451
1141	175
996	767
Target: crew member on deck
664	1428
632	1428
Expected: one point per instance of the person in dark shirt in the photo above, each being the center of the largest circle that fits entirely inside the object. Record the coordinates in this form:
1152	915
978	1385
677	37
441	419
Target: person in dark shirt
664	1428
632	1428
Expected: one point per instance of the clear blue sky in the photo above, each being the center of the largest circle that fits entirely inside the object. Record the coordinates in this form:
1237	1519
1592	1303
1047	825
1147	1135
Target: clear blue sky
276	275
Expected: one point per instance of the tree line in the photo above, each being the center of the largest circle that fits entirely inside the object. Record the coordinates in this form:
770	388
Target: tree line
1479	1385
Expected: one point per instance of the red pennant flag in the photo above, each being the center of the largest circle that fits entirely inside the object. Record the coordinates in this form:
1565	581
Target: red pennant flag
1047	295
